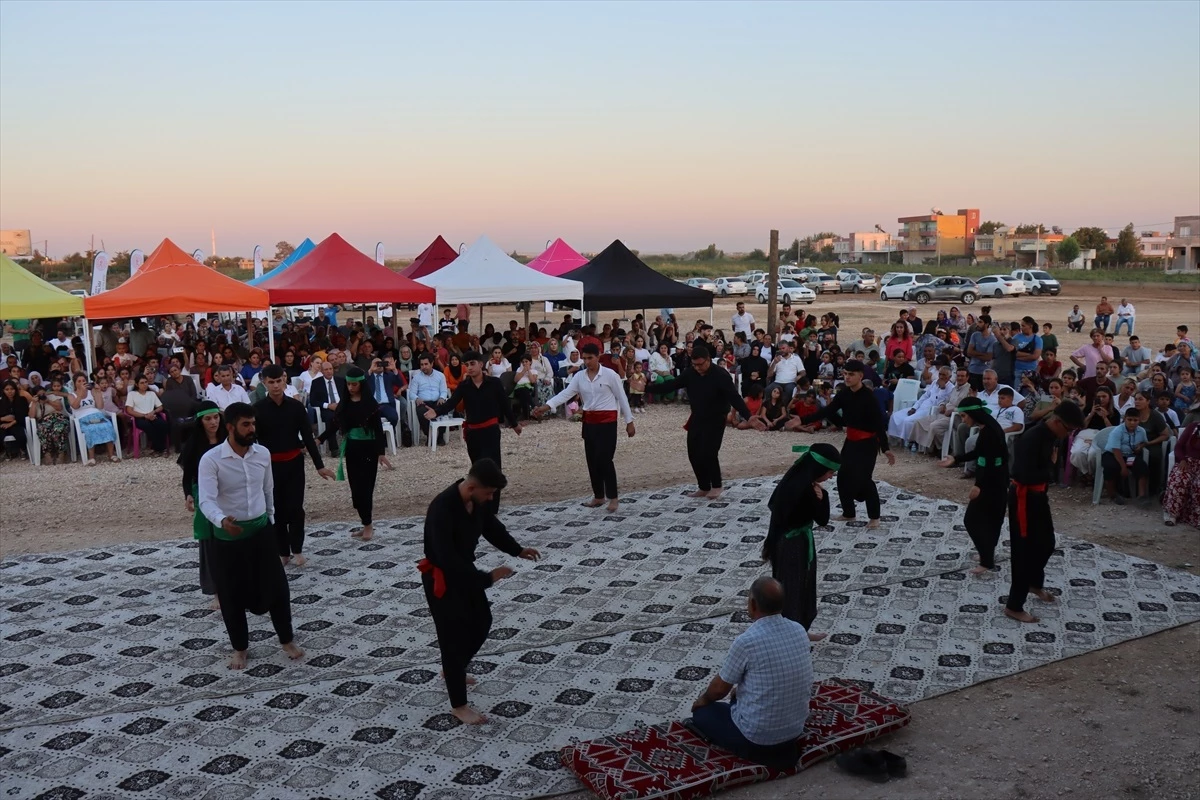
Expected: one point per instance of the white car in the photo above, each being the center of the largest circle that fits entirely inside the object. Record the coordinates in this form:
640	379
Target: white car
1000	286
901	282
728	286
702	283
789	291
1038	281
754	276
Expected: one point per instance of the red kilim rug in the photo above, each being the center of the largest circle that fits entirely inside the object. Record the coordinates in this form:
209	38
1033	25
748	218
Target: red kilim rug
669	761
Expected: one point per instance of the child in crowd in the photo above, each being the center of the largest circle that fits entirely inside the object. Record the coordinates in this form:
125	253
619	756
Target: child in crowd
754	401
1049	340
805	405
1124	457
1163	402
774	412
825	371
1049	366
637	388
1185	391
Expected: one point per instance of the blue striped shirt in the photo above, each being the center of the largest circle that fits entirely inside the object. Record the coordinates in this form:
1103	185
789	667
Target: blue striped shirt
771	665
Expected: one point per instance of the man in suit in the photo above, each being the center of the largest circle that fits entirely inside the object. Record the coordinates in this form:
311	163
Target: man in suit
383	386
327	391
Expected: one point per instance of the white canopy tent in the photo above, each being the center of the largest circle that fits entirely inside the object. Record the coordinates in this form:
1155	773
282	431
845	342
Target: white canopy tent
486	274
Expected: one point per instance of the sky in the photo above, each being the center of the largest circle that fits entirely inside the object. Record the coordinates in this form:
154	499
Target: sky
667	125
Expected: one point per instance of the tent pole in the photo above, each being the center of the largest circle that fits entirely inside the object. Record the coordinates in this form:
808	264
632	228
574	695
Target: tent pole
480	331
393	322
88	346
527	317
270	336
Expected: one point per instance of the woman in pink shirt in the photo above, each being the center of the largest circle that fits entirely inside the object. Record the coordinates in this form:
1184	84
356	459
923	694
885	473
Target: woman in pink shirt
1088	356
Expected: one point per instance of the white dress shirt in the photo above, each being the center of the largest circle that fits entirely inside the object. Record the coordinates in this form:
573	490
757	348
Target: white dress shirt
788	369
742	323
602	393
1124	310
235	486
992	400
225	397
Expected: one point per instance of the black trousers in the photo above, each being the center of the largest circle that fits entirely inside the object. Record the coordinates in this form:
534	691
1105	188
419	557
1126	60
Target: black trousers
249	577
485	443
289	505
983	520
704	450
362	468
1032	545
462	621
599	447
855	480
156	430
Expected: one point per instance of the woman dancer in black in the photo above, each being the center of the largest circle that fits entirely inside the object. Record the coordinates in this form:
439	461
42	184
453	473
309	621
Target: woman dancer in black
358	420
207	432
989	495
797	505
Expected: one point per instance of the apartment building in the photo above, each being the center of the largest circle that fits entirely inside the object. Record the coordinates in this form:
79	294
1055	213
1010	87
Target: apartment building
936	235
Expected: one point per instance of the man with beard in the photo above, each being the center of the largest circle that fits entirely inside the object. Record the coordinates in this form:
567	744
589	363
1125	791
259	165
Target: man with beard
237	498
455	588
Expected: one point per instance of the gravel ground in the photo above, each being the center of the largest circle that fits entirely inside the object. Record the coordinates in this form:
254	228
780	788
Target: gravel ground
1124	721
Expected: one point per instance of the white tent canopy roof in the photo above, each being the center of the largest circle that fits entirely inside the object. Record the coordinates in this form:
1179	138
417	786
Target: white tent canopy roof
486	274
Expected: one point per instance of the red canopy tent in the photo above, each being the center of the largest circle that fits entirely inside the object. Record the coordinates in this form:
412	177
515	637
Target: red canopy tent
335	272
436	256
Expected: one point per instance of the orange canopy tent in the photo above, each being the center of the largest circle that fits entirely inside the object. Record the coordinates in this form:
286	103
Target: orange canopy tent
172	282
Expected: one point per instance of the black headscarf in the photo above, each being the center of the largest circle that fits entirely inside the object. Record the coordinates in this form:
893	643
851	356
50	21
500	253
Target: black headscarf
975	408
797	482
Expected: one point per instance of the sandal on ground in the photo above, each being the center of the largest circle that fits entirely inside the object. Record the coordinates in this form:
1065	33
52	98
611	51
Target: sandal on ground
114	459
91	462
897	766
866	763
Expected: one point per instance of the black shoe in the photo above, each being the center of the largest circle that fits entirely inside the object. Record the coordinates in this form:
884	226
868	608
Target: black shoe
869	764
897	766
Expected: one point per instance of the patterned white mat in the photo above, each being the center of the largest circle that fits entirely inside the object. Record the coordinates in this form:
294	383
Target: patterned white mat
113	679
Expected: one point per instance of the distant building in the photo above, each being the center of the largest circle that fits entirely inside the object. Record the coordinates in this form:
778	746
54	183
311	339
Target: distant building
1183	246
16	244
870	247
1154	244
1025	249
268	264
935	234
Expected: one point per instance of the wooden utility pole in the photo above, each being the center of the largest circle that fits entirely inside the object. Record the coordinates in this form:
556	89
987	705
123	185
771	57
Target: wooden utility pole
773	283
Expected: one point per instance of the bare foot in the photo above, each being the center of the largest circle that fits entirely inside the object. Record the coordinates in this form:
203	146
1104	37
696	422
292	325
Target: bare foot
593	503
873	524
698	495
386	464
1043	595
238	659
817	637
292	651
215	605
843	518
613	505
367	532
978	570
285	560
715	494
468	715
470	680
1020	616
299	560
356	534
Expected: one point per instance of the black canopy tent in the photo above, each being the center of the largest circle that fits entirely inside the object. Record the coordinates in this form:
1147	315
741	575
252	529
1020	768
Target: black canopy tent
617	280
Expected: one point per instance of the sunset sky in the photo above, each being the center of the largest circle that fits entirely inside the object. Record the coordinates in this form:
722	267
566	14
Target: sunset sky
666	125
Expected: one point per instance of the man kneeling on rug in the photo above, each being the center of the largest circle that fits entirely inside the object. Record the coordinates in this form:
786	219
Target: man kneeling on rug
769	673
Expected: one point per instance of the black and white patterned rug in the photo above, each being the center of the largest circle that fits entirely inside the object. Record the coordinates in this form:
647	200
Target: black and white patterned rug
113	680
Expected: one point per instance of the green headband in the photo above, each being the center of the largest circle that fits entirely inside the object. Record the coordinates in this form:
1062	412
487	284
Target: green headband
355	380
820	459
981	407
206	412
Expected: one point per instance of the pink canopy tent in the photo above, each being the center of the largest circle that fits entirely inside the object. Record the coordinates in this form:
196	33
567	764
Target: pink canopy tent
558	259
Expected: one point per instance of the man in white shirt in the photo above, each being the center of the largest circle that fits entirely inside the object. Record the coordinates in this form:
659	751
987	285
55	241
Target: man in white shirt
786	368
223	391
425	319
990	395
1125	314
603	397
236	500
742	321
62	340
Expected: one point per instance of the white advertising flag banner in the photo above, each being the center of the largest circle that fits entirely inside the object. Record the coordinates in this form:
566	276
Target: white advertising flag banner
198	254
258	269
136	259
100	272
379	252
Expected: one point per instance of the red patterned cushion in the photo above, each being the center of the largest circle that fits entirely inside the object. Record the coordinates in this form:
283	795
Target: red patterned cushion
669	761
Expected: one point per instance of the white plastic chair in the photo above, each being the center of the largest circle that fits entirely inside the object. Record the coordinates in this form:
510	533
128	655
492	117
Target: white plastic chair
33	444
436	426
908	391
199	388
81	442
1096	454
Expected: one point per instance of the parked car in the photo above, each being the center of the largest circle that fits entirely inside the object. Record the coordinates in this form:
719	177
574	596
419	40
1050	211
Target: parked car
1038	281
854	281
895	286
822	284
754	276
730	286
79	292
1000	286
789	291
962	290
702	283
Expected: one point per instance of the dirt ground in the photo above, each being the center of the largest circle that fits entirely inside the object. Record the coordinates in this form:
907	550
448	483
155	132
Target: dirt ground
1123	721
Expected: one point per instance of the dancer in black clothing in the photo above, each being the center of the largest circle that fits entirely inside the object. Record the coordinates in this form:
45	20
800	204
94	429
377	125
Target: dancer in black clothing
486	404
282	423
208	431
856	409
454	587
989	495
799	504
361	426
1030	526
710	394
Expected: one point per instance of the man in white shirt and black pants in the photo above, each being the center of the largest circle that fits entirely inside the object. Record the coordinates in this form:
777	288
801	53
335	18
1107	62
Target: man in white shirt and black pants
236	493
600	391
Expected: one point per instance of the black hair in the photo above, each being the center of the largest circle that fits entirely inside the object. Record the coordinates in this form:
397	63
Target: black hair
487	472
272	371
236	412
590	349
1006	391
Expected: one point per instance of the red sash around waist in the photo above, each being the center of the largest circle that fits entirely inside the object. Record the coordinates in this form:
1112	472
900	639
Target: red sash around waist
858	435
599	417
1023	490
286	455
475	426
439	577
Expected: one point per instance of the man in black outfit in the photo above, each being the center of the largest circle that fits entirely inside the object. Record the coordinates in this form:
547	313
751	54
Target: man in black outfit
1030	526
856	409
454	588
486	404
282	424
710	393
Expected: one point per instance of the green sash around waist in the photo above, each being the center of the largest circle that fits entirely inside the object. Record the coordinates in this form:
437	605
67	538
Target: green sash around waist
983	462
807	532
202	529
357	434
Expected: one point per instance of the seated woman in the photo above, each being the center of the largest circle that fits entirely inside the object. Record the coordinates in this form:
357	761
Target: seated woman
525	386
97	426
1181	500
14	408
774	413
145	408
1102	414
49	412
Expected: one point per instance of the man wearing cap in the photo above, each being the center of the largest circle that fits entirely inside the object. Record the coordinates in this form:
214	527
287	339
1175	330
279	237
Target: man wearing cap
989	495
1030	526
282	424
603	397
486	404
856	409
710	393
